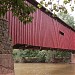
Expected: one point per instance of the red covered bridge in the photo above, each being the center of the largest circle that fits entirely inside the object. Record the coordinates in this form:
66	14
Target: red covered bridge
45	31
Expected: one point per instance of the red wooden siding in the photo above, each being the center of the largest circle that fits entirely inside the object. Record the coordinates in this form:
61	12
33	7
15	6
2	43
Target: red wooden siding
44	31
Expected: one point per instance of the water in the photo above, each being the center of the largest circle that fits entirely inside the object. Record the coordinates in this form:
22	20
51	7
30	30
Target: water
44	69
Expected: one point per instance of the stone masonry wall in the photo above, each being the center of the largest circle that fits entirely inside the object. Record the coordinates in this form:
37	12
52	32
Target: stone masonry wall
6	60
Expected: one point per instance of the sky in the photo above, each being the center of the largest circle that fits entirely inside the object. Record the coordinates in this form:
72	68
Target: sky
67	6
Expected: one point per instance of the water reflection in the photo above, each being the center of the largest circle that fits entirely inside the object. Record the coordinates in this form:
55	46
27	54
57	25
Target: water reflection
44	69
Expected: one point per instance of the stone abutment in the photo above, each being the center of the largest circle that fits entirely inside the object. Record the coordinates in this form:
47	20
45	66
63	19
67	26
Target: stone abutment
6	60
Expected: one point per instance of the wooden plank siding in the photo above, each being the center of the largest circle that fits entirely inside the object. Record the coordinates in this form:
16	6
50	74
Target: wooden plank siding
44	31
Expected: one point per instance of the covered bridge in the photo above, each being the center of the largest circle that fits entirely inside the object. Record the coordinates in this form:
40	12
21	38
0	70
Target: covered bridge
45	31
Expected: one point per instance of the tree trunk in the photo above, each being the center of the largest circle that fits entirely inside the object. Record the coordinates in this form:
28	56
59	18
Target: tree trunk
6	60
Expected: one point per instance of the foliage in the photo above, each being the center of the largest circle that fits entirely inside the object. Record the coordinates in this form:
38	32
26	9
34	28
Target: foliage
67	18
25	53
50	56
29	53
62	54
19	8
56	7
22	9
65	56
40	56
16	55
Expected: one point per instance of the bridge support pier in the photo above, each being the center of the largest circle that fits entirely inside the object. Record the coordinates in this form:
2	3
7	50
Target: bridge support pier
73	57
6	64
6	60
